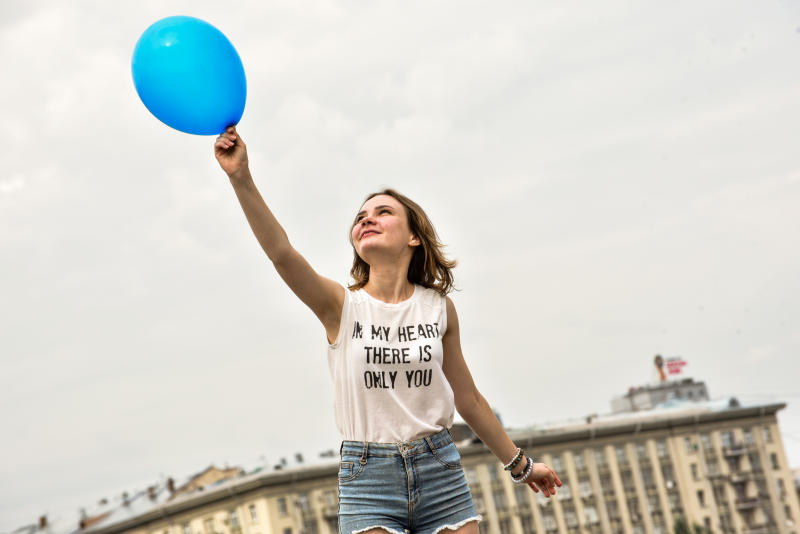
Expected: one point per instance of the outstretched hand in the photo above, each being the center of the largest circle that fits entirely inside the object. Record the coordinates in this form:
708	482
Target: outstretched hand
543	479
231	152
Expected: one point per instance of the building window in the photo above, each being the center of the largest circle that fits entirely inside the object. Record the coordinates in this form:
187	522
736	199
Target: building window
653	504
472	476
505	526
647	477
701	498
499	499
767	434
641	451
578	459
788	511
310	526
283	511
688	444
695	474
727	439
661	448
557	467
527	524
626	476
633	509
480	507
782	488
713	467
705	439
253	513
549	522
493	473
773	458
585	487
564	492
209	525
234	519
187	529
611	508
302	502
570	519
733	463
591	514
599	457
707	523
620	452
748	436
668	474
521	492
287	530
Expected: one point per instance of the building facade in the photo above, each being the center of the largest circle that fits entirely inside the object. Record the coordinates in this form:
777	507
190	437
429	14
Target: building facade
721	467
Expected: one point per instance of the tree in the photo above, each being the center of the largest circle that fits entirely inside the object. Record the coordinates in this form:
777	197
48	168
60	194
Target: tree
681	526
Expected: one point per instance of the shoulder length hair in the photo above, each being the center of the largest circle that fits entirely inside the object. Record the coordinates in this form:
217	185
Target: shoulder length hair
429	267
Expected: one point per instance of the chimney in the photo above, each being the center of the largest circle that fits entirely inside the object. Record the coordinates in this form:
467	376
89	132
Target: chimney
298	457
125	501
42	522
151	493
171	485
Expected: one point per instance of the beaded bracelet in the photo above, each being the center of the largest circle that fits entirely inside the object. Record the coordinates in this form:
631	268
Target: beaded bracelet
525	474
517	459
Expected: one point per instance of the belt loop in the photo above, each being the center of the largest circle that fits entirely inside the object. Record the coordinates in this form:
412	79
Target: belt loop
430	444
363	460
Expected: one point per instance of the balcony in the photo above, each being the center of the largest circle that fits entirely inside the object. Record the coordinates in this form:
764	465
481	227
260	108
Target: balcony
741	476
735	449
746	503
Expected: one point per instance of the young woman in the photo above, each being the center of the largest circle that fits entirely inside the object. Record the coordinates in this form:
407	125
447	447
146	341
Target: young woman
395	358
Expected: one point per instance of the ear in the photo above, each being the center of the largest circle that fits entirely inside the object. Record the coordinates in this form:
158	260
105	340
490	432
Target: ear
414	241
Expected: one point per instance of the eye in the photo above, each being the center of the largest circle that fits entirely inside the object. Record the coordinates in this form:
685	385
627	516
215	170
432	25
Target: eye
384	210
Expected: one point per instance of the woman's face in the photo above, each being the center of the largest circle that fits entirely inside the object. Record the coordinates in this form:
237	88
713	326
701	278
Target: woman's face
381	228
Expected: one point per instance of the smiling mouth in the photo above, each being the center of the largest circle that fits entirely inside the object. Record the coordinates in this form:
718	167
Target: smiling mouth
368	232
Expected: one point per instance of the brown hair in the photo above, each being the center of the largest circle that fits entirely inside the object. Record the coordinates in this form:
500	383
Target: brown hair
429	267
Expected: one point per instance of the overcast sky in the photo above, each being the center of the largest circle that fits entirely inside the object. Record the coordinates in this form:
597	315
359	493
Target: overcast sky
616	179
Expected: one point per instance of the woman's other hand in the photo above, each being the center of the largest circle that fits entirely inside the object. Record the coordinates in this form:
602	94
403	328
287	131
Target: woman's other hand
543	479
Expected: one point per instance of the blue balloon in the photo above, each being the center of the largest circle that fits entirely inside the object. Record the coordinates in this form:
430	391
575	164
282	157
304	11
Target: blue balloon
189	76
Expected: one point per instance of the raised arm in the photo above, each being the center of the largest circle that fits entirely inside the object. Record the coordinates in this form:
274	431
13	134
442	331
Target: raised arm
477	413
325	297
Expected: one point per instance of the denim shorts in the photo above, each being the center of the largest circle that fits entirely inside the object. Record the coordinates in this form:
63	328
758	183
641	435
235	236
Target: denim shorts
414	487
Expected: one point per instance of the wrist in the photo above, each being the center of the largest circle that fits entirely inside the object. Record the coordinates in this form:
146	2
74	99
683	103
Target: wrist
521	467
240	176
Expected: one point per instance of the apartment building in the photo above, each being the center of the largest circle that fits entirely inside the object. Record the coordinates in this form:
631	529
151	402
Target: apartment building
717	464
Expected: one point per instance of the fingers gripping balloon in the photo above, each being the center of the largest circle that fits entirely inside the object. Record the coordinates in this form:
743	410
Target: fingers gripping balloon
189	76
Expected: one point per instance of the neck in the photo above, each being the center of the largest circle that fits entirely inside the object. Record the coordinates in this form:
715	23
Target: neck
389	284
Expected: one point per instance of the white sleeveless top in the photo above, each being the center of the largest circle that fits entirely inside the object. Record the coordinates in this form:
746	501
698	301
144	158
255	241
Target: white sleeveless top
386	365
